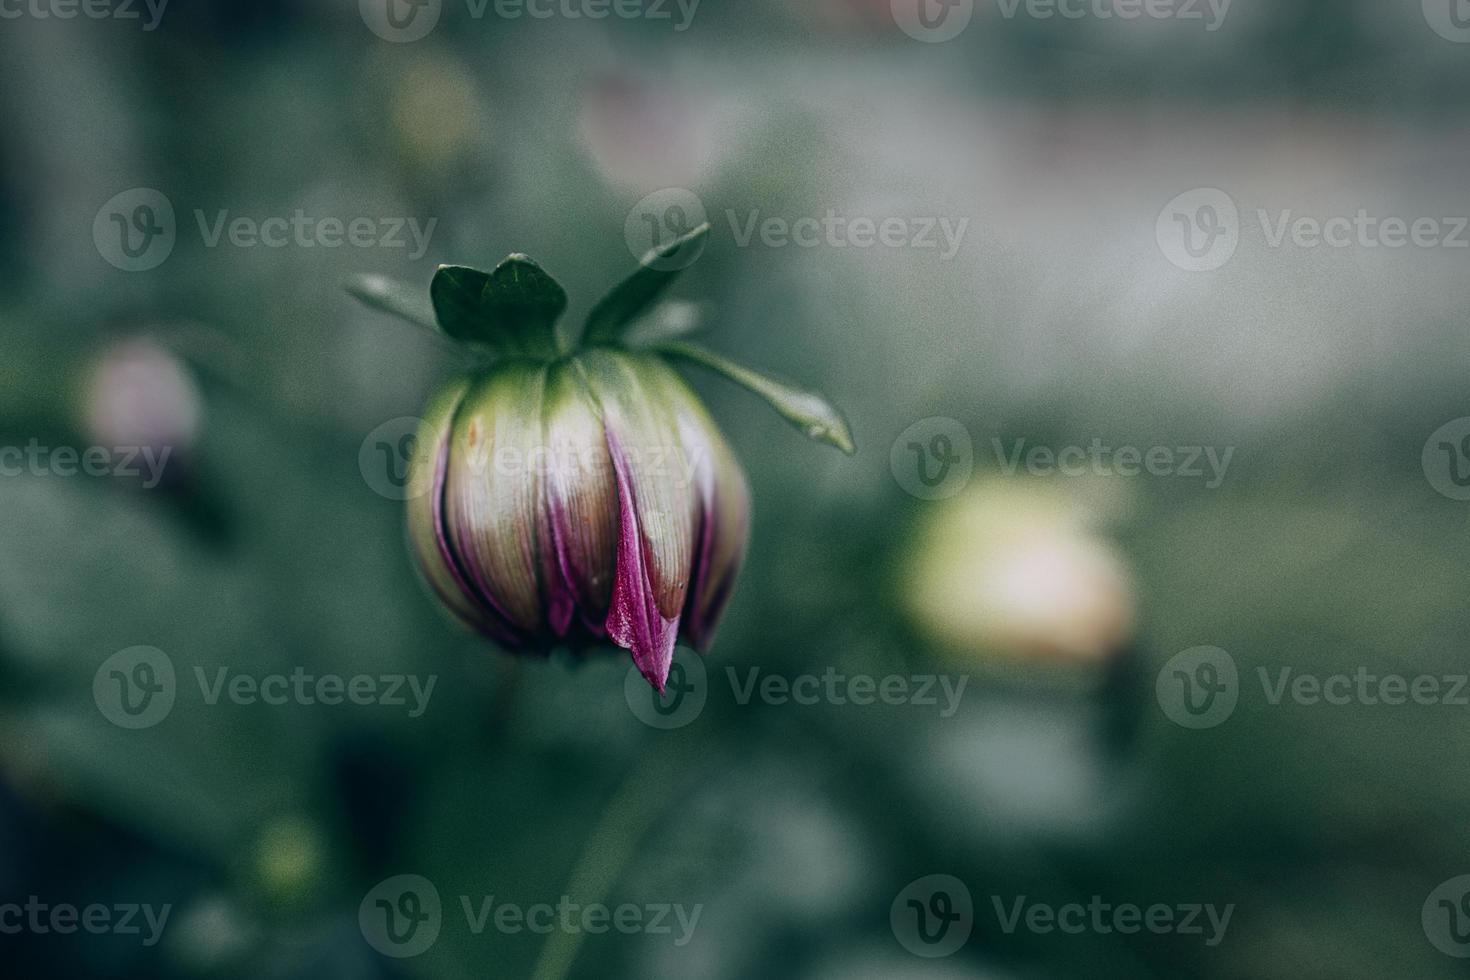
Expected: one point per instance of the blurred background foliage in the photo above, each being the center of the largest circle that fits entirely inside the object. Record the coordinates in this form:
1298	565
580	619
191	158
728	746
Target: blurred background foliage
1058	321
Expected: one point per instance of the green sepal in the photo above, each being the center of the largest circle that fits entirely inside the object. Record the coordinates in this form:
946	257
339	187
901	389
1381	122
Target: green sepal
512	309
809	411
609	319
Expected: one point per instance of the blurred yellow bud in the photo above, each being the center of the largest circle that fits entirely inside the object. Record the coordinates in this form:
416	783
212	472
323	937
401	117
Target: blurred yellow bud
1013	567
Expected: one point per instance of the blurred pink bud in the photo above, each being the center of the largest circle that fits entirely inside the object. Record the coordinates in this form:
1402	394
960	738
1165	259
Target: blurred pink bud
138	395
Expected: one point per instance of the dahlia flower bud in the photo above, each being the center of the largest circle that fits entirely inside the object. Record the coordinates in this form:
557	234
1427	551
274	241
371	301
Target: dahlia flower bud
567	497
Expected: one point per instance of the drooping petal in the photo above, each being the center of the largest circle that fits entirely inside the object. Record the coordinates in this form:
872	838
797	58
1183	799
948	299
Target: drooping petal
492	501
656	508
581	496
634	620
429	464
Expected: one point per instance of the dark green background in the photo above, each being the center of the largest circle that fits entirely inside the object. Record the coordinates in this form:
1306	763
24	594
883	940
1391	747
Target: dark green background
1059	321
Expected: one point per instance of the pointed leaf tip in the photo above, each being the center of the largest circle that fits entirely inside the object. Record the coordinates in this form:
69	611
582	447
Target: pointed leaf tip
610	318
814	415
686	248
391	296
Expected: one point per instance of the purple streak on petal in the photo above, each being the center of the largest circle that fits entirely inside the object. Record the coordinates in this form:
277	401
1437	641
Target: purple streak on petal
633	620
556	582
494	623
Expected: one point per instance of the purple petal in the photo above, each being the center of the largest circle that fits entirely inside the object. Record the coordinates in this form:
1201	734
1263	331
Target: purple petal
633	619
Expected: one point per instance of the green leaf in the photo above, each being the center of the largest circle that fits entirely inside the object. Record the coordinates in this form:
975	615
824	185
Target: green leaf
816	417
397	298
513	309
609	319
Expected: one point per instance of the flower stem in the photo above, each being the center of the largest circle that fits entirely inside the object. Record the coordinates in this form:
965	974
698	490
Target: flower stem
610	846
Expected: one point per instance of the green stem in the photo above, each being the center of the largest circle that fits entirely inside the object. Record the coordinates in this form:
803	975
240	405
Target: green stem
610	846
